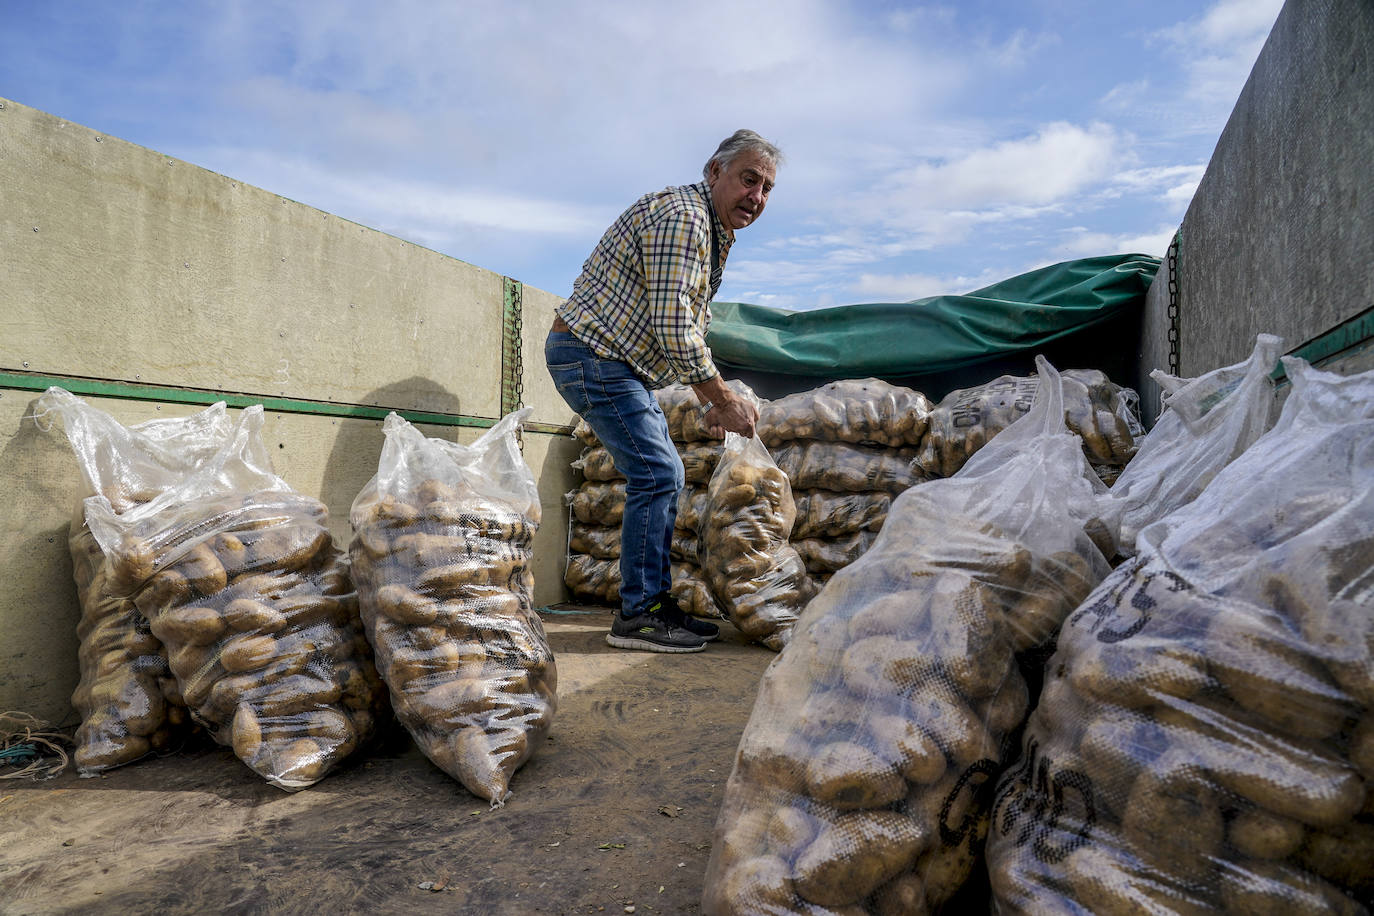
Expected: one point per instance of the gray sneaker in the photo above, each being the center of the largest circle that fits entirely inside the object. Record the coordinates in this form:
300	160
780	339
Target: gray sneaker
649	632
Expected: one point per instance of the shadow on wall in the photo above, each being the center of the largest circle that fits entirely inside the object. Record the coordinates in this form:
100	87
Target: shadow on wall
39	608
353	459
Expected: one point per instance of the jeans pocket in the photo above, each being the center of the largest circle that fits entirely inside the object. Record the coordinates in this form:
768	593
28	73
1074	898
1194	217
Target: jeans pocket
571	382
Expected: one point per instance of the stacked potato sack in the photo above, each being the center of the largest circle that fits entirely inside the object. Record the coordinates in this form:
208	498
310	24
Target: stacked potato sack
847	448
1100	412
441	555
1208	421
753	572
241	581
128	701
1205	741
863	780
599	503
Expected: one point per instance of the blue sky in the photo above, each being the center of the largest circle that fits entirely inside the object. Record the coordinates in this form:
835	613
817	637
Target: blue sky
931	148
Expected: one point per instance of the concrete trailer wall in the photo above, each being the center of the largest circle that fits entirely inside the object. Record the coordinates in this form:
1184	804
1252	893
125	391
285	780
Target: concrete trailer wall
1279	237
121	269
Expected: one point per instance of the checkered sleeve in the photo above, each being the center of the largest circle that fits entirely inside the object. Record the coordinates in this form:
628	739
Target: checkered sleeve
676	249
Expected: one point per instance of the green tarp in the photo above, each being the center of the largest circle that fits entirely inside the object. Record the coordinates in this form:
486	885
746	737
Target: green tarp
936	334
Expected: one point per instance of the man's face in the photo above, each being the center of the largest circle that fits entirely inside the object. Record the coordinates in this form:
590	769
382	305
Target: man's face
740	190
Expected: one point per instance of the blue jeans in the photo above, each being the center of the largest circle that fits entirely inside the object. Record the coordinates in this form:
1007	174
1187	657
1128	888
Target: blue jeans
627	419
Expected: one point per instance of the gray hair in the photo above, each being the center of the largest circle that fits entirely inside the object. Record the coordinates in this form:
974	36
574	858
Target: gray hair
739	142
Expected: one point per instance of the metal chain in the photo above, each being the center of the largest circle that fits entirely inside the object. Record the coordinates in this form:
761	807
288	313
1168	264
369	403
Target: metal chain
512	356
1173	303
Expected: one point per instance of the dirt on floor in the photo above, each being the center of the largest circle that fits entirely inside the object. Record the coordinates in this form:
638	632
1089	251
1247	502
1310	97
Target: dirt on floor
616	810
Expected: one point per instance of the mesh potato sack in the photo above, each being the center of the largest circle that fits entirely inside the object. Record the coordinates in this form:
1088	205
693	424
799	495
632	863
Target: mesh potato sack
698	461
127	699
681	408
441	554
1207	422
1205	741
823	513
847	468
1098	411
757	578
866	410
239	578
863	780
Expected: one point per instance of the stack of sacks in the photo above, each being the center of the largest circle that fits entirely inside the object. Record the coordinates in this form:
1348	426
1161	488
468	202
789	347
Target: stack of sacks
442	559
597	507
1101	413
128	701
863	779
1205	740
239	578
847	448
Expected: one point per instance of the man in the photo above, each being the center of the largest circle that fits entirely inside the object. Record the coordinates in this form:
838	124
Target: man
636	321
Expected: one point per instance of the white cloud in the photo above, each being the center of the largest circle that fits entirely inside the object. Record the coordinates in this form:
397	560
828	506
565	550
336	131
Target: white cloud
1054	164
1218	49
1081	243
906	287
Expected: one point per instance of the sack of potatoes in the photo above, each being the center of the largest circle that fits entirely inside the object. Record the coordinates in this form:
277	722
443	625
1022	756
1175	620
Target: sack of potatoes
1205	739
698	461
868	411
845	467
1098	411
681	407
240	580
441	554
863	780
127	699
1207	422
757	578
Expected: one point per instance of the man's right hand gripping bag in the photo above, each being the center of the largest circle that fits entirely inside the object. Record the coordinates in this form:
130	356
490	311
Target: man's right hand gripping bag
1205	739
863	779
441	558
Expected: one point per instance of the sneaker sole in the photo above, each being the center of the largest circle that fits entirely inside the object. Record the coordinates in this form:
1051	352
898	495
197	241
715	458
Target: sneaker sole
630	642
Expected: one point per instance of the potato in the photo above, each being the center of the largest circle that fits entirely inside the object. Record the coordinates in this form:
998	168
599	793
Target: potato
1258	834
1173	792
1106	881
847	776
789	831
202	570
898	739
1259	888
247	733
1344	855
849	859
245	653
760	884
249	616
188	625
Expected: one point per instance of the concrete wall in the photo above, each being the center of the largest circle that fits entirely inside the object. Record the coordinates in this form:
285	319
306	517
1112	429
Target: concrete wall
124	266
1280	234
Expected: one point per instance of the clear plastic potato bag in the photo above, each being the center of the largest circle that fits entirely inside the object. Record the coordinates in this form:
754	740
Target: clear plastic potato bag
1207	422
865	410
757	577
863	780
239	578
127	698
441	554
1205	739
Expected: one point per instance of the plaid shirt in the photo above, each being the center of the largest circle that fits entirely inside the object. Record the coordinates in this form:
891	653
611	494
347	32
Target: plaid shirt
645	291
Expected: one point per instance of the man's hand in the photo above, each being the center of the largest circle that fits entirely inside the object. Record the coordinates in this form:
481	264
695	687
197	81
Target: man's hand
735	415
729	412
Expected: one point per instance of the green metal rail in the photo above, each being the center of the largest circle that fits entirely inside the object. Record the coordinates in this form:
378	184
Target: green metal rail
1348	337
134	391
